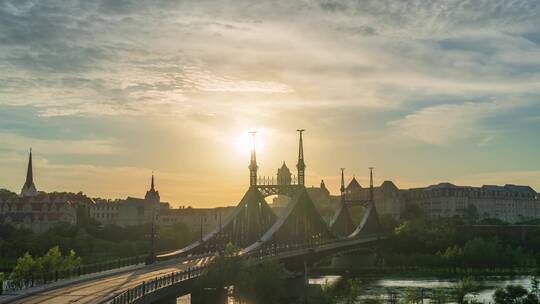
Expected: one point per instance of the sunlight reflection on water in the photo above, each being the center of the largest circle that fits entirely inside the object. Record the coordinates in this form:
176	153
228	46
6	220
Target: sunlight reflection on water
374	286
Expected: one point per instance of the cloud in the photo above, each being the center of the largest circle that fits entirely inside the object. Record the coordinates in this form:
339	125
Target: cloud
60	146
177	71
446	123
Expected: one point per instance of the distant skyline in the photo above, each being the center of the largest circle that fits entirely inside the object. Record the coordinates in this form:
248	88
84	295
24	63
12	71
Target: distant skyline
105	92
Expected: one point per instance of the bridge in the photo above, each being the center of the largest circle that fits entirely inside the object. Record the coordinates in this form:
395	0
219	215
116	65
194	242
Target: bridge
297	236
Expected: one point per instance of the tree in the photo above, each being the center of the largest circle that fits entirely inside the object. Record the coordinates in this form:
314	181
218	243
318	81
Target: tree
465	286
439	296
471	214
262	284
514	294
46	265
535	285
411	296
355	289
26	266
412	212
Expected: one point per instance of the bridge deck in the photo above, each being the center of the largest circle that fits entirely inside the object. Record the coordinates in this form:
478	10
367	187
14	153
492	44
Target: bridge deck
99	289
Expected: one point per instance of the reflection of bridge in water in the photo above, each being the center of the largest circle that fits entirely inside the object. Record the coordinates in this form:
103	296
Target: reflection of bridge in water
299	235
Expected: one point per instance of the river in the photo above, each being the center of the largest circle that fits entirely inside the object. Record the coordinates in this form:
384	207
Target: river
381	286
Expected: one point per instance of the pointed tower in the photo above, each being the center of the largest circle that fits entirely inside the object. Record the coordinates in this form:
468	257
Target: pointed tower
323	188
152	195
342	224
253	163
301	166
342	188
29	189
284	175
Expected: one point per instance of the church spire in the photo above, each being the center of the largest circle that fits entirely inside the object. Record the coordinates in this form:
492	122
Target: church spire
29	171
29	189
342	188
253	163
301	166
152	195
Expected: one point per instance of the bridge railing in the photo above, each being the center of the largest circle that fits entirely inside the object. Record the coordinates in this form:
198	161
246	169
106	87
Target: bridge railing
43	278
276	249
133	294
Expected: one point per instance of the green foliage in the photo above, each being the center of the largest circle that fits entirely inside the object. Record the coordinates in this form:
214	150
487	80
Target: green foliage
492	221
388	223
5	194
354	289
465	286
421	242
25	267
535	285
50	263
471	214
262	284
411	296
514	294
439	296
372	301
91	241
412	212
223	271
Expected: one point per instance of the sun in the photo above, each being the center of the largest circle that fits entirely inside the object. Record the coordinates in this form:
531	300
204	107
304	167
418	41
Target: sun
244	142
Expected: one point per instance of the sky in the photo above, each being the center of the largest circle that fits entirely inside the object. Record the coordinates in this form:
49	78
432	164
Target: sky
107	92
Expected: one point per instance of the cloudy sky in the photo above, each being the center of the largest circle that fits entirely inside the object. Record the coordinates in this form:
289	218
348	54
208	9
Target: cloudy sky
105	92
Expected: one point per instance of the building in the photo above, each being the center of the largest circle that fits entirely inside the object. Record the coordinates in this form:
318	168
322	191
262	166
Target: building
40	211
201	220
130	211
134	211
29	189
510	203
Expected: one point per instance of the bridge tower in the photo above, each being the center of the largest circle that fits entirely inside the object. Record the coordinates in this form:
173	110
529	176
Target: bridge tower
253	163
301	166
341	224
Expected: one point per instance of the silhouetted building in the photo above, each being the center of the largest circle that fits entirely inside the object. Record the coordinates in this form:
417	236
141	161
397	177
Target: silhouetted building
134	211
284	176
509	203
131	211
29	189
39	211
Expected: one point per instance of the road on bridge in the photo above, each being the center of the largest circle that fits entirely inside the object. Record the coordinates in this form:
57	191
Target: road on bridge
96	290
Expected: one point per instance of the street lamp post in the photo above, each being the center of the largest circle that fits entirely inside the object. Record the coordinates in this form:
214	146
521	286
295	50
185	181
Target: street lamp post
152	254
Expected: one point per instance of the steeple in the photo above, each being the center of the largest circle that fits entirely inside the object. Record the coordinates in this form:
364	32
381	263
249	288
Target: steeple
253	163
301	166
29	189
342	189
152	195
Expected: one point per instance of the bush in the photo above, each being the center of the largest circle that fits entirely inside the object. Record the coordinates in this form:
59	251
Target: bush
51	262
